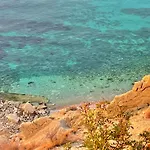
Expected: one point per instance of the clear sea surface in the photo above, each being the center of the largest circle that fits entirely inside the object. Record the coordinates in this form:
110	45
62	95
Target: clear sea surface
73	50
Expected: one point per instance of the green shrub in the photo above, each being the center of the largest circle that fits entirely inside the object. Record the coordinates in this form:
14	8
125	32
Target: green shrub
67	146
110	133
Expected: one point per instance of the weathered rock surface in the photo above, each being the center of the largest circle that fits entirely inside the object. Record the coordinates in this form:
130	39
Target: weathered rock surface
27	108
147	113
140	123
137	102
12	115
137	98
47	132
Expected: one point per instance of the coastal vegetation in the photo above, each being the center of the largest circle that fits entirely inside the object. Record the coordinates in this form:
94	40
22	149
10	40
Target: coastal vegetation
106	132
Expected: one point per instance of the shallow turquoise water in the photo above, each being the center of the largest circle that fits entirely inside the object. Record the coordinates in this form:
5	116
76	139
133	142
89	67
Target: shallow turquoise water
71	50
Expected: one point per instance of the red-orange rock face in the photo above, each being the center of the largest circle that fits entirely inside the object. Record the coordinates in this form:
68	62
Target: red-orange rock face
147	113
47	132
138	97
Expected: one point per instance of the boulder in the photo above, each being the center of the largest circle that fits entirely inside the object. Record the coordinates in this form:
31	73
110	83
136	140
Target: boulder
27	108
13	118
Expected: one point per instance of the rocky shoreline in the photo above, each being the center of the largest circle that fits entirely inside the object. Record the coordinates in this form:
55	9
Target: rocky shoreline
40	126
14	113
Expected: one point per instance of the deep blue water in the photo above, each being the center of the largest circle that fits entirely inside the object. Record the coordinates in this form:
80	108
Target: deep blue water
73	50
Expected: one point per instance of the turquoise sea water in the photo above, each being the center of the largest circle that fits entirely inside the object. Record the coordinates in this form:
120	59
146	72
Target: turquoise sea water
73	50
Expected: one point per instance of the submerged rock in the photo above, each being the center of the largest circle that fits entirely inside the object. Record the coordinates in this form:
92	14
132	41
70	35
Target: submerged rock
2	54
22	97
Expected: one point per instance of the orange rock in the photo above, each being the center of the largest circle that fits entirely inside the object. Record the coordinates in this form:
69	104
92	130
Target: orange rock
3	138
47	132
11	146
148	145
147	113
139	96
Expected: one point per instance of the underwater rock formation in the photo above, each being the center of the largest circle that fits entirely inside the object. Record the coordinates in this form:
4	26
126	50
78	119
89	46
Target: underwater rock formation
2	54
22	97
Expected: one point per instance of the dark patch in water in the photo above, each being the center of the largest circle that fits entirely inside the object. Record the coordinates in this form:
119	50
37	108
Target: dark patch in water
42	27
32	26
142	12
2	54
31	83
143	32
21	40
